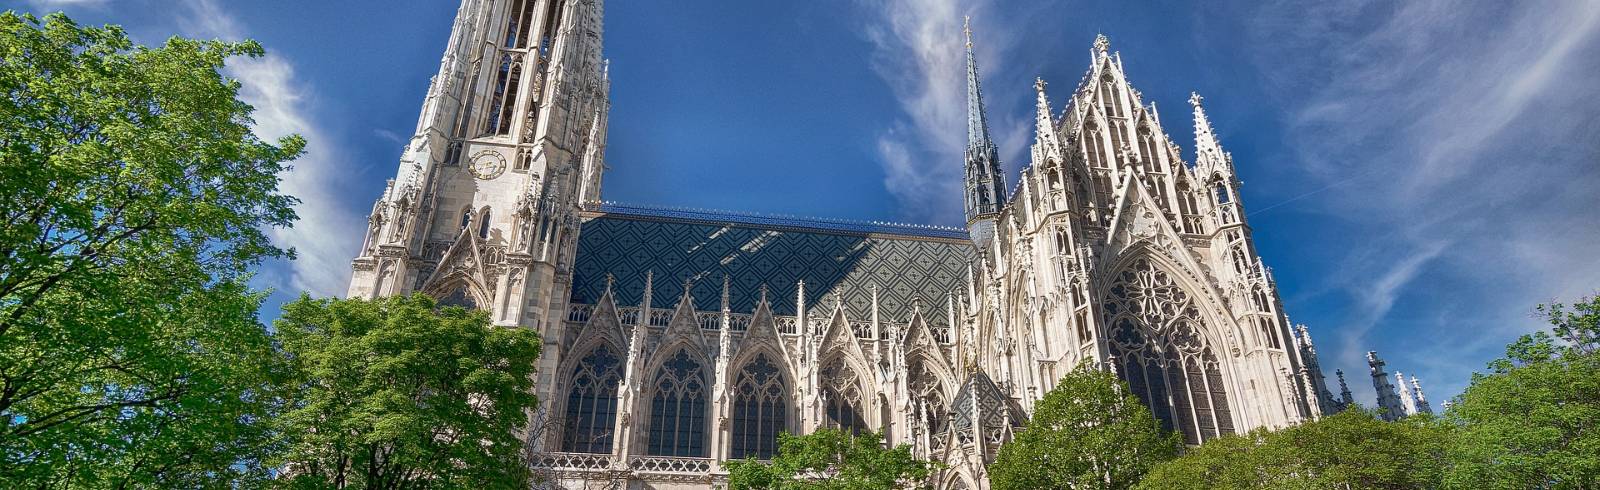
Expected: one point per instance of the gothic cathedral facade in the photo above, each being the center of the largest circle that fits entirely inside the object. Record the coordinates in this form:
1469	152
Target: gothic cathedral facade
678	339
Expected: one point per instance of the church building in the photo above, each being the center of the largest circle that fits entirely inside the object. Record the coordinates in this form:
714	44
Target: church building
679	339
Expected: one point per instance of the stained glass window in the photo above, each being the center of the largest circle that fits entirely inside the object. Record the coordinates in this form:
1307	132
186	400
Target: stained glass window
758	409
841	392
1156	339
592	402
678	408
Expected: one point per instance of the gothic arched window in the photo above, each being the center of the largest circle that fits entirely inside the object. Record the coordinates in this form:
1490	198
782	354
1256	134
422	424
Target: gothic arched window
758	409
592	402
466	217
1155	337
483	224
678	409
841	394
459	296
927	396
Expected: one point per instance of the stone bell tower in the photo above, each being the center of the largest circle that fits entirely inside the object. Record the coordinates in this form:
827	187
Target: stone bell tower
483	209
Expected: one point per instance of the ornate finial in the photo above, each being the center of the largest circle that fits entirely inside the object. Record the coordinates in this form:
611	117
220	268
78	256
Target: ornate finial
1039	84
610	280
725	291
763	292
966	29
1102	43
1195	99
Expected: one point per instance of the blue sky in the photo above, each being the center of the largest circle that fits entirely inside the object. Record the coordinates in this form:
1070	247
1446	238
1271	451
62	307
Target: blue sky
1418	174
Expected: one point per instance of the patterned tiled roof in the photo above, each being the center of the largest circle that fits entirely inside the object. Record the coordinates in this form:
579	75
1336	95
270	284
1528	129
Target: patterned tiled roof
903	261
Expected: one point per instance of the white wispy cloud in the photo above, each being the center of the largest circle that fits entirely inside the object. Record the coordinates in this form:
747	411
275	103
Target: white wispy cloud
389	136
1464	152
919	51
322	237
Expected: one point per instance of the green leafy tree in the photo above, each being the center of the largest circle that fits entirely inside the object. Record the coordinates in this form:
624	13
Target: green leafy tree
1533	421
135	203
1351	449
402	393
1087	432
831	459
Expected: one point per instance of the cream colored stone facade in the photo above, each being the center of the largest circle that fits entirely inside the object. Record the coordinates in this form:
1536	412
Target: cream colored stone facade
678	339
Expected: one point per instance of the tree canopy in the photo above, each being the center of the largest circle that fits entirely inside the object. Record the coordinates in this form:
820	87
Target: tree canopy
1529	422
1087	432
1533	421
831	459
1351	449
137	201
402	393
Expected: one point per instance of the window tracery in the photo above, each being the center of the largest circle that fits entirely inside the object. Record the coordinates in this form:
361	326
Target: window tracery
1157	344
759	409
592	402
678	409
841	395
459	296
928	397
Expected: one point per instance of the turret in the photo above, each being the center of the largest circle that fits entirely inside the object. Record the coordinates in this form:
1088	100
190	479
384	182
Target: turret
1388	400
1214	167
1405	393
985	186
1345	398
1421	400
1308	356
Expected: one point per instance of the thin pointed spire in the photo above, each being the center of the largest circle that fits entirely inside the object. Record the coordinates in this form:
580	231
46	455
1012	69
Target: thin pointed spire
1206	147
1345	396
977	121
725	290
1044	123
985	186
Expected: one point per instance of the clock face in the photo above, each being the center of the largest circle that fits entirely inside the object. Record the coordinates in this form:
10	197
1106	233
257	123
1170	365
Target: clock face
487	165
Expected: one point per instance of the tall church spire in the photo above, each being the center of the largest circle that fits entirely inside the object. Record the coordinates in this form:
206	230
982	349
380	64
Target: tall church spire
984	184
977	121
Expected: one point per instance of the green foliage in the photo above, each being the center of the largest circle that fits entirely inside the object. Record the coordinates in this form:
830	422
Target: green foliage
400	393
1087	432
1534	421
1530	422
136	201
831	459
1351	449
